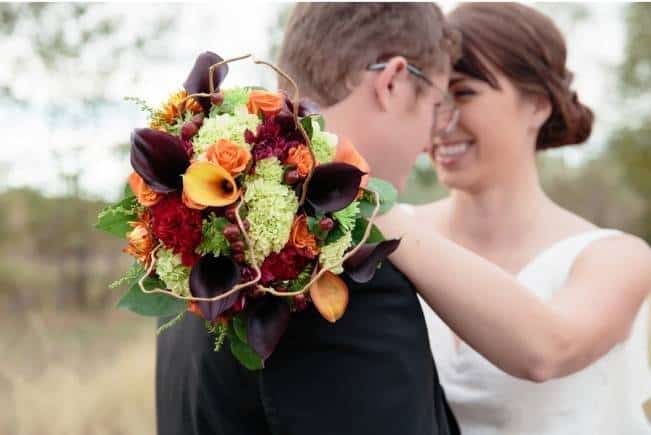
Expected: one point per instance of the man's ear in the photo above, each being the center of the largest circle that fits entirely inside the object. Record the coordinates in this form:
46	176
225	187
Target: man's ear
385	81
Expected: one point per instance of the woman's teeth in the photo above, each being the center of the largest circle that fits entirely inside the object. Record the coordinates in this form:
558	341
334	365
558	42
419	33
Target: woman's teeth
452	150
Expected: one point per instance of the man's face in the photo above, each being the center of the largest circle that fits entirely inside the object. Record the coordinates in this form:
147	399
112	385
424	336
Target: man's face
403	126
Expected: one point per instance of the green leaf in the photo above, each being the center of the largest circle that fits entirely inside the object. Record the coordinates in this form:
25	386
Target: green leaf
388	197
320	120
239	325
213	239
244	353
360	228
128	193
132	275
307	126
115	219
334	235
152	304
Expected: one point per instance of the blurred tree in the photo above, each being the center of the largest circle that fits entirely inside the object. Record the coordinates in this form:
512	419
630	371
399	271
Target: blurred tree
58	53
630	146
635	71
277	31
62	62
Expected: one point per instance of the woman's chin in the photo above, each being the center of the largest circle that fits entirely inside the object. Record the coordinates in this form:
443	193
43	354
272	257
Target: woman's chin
454	179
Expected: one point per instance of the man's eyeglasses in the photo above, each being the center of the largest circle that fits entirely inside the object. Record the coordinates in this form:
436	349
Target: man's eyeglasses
446	113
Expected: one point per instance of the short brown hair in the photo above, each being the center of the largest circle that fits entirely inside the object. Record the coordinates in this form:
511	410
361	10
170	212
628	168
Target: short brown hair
327	44
527	47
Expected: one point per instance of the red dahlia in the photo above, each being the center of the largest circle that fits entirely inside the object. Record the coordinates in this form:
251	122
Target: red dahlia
178	227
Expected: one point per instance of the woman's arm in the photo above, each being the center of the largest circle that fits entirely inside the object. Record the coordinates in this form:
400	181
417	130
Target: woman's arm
514	329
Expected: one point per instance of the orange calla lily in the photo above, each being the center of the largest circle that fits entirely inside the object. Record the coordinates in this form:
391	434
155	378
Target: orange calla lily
191	204
330	296
208	184
347	153
269	103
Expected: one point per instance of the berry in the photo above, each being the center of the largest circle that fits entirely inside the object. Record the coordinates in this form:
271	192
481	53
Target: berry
217	98
188	130
231	232
292	177
237	246
230	214
326	224
198	119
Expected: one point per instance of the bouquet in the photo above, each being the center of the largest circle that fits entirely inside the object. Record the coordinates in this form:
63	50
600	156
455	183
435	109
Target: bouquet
242	209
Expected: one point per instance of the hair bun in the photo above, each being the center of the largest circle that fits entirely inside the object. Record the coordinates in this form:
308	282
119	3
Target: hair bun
570	122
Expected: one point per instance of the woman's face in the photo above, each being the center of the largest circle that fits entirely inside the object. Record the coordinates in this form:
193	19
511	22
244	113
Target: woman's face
496	134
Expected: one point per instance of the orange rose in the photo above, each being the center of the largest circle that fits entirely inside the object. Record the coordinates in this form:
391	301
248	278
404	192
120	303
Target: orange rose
346	153
269	103
141	241
144	194
301	157
229	156
301	236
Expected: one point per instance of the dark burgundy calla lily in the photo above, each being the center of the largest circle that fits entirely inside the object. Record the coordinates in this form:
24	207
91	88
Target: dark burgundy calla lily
212	276
306	107
333	186
362	265
199	79
267	324
159	158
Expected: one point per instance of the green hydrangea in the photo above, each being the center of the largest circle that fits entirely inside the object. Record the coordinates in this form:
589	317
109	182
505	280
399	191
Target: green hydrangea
268	169
332	253
272	207
172	272
348	216
213	239
234	98
324	144
225	126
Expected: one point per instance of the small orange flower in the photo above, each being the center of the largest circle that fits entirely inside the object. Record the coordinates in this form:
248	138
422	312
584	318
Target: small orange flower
144	194
173	109
229	156
141	241
302	158
347	153
301	236
269	103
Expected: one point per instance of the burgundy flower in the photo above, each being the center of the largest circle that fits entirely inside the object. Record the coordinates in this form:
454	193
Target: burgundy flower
274	137
178	227
284	265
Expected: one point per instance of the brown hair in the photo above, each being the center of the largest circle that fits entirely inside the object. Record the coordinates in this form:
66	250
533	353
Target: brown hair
327	45
527	47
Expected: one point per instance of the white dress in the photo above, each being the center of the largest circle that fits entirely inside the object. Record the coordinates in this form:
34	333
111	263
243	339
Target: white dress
605	398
